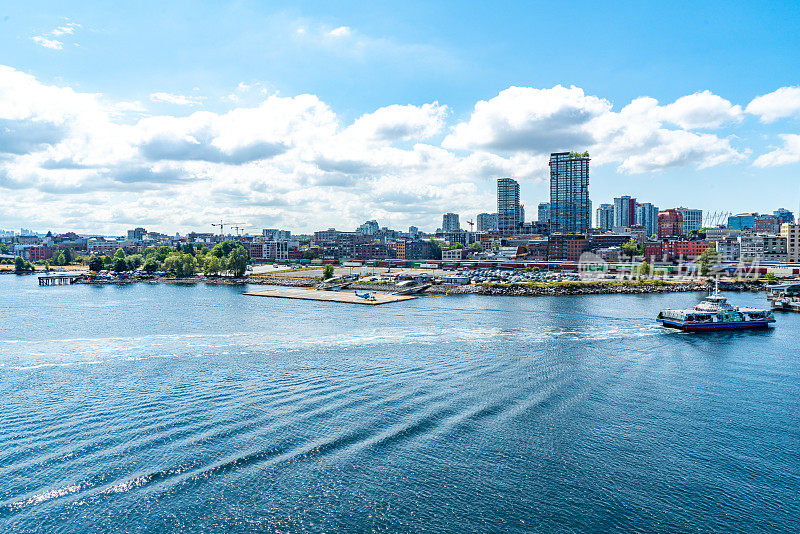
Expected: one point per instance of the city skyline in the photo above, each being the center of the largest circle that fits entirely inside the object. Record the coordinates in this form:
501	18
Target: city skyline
160	141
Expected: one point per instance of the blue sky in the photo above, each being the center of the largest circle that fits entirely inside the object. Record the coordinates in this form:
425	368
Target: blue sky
393	131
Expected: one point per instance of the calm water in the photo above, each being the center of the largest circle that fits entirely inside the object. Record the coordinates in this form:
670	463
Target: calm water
155	408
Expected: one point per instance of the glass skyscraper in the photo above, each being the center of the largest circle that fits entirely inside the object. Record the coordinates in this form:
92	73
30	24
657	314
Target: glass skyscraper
450	222
605	217
647	216
508	208
487	222
544	212
692	219
624	212
570	209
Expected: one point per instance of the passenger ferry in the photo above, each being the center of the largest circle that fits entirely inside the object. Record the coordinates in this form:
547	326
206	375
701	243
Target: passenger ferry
716	313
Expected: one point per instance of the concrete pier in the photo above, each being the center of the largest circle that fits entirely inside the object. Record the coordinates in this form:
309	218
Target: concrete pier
329	296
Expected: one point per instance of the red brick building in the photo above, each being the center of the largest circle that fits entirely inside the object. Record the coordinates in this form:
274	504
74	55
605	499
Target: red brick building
674	250
566	247
38	253
372	251
399	248
670	224
767	224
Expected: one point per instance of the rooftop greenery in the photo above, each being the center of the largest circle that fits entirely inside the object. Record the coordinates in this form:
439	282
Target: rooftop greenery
579	155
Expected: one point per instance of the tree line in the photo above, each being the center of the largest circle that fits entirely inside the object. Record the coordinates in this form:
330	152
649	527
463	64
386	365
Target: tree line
182	260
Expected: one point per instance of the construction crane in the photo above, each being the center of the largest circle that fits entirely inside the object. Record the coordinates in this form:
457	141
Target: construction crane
223	224
470	223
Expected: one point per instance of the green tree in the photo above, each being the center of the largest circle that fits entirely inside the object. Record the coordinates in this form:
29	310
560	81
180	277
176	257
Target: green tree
771	279
181	264
224	249
19	264
189	265
477	247
631	248
645	269
708	260
47	265
311	253
95	264
60	259
4	249
67	256
150	265
120	264
213	265
327	272
119	253
238	260
162	253
135	261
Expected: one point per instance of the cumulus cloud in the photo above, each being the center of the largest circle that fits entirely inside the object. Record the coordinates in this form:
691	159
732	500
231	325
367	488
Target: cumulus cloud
531	120
788	153
779	104
294	162
395	123
703	110
35	116
524	120
178	100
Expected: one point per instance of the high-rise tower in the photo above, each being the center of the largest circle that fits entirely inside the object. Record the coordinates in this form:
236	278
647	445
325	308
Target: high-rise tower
570	211
508	208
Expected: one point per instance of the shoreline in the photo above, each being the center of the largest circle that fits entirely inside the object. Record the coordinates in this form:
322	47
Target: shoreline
523	289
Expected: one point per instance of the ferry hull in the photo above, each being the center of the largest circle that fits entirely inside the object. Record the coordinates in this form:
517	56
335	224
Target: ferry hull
743	325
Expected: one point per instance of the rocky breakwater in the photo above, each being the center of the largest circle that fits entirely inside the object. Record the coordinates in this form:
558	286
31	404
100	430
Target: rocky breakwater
578	288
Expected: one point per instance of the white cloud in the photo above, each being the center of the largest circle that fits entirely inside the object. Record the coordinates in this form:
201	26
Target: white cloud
779	104
396	123
341	31
292	161
788	153
178	100
703	110
524	120
52	44
62	31
531	120
67	29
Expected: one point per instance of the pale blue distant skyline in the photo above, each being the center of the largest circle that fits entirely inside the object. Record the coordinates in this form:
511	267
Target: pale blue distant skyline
312	114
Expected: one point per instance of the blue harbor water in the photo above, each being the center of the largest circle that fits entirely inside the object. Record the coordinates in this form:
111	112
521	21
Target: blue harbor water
155	408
